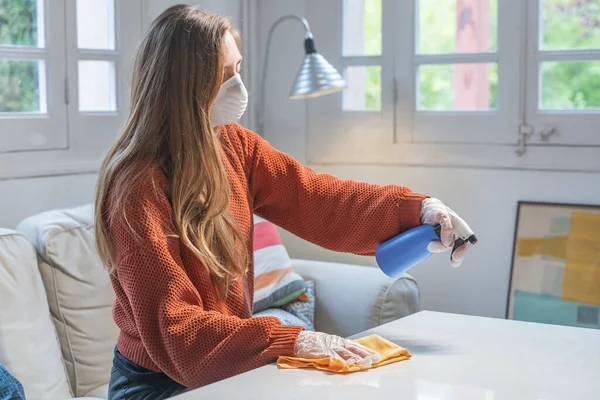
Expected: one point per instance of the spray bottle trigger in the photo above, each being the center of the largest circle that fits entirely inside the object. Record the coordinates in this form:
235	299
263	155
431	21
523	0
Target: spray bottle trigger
460	241
457	243
438	230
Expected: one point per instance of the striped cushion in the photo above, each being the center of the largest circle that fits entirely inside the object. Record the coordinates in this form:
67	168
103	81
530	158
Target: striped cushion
275	282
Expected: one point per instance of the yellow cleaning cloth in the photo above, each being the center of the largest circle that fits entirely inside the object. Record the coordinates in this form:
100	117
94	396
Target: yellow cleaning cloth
388	351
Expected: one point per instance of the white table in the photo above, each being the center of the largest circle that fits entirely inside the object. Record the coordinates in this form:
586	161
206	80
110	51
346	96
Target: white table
455	357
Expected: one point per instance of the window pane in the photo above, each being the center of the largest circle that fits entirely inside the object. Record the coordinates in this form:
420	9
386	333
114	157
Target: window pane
568	24
364	89
21	23
454	87
22	86
362	27
97	86
570	85
457	26
96	24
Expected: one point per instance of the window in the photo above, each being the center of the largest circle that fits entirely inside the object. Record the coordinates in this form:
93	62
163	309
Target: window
457	83
62	73
97	55
366	63
31	75
458	64
95	109
361	43
564	66
469	82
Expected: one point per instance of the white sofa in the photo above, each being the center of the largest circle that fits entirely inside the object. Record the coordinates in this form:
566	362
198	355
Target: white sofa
56	330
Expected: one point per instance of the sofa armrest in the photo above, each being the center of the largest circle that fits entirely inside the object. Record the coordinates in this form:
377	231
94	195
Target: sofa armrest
351	299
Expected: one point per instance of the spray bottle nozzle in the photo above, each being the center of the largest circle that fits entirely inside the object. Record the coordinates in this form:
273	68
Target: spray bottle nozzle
472	239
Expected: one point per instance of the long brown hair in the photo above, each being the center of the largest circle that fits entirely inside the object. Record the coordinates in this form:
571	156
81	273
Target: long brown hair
177	75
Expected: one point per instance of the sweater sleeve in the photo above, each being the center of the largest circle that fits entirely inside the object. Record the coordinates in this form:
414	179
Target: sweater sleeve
340	215
192	345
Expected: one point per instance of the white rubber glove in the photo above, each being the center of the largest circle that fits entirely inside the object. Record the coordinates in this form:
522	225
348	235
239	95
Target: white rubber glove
434	212
320	345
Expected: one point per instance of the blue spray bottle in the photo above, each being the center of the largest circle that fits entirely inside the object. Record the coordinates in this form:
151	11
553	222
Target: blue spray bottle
400	253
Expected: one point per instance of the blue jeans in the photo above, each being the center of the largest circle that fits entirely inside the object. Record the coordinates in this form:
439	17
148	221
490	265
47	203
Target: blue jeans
129	381
10	387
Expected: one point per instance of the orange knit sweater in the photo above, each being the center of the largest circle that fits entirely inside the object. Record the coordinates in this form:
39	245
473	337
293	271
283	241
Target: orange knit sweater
171	317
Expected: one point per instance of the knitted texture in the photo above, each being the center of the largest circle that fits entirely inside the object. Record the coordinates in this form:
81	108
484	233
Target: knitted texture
171	316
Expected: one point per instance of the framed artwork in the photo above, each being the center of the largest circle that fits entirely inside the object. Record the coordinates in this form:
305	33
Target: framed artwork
555	273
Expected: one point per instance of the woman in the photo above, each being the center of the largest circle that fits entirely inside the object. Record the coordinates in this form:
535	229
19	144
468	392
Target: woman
174	206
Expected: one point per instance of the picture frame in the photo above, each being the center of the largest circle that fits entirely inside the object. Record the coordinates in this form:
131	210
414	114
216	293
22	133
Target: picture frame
555	266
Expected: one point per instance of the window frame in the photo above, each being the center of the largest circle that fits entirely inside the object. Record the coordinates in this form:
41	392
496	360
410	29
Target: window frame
326	114
556	127
467	127
43	130
333	138
98	128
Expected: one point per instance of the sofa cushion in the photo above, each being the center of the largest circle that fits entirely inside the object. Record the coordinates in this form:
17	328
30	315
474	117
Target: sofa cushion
275	282
79	291
29	348
370	298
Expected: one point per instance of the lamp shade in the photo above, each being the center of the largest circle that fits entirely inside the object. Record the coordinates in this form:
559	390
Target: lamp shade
316	77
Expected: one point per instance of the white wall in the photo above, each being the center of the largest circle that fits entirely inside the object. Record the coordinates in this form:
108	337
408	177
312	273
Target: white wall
487	199
21	198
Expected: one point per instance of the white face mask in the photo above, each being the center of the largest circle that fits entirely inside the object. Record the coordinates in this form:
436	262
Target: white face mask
230	103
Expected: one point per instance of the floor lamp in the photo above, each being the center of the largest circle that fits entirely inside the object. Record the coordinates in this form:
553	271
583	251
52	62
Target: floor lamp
316	76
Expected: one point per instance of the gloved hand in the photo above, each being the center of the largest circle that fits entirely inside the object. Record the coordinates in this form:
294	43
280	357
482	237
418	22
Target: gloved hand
319	345
434	212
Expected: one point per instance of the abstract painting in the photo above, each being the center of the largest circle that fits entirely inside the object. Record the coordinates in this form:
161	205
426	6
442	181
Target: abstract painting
555	275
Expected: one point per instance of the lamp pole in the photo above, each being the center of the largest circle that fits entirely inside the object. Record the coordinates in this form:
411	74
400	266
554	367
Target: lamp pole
307	36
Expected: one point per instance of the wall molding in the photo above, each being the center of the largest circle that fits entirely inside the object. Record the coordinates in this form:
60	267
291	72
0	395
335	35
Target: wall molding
36	164
445	155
